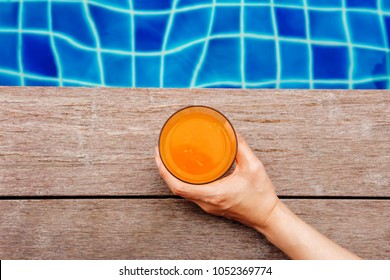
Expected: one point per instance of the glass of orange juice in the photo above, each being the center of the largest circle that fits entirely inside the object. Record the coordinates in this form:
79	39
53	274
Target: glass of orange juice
198	144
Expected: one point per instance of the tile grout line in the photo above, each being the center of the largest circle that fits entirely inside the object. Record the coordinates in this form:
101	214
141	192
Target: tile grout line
206	6
97	41
165	41
385	39
190	44
131	7
205	47
350	46
83	83
277	47
20	43
324	82
242	44
52	43
309	43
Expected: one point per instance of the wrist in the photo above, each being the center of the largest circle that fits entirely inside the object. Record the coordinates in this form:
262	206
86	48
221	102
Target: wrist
273	218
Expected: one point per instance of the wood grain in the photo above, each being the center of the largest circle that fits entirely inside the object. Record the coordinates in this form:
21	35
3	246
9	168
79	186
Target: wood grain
173	229
100	141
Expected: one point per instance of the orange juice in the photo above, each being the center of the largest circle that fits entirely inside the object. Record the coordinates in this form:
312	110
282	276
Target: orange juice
197	145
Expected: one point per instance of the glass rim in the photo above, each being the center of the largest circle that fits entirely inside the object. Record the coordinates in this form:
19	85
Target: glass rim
212	109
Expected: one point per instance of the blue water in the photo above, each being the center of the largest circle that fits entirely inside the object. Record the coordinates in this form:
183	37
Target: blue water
196	43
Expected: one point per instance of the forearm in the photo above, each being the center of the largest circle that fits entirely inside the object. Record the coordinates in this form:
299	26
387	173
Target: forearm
299	240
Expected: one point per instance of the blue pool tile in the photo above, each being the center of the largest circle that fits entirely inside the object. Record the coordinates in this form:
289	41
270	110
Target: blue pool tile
70	19
147	71
260	57
324	3
258	20
294	59
223	86
370	63
365	29
222	62
152	4
9	80
188	3
124	4
9	51
387	28
75	24
9	15
228	1
382	84
362	3
291	22
122	76
188	27
258	1
385	6
292	85
328	85
226	20
180	66
40	82
289	2
330	62
78	64
35	15
37	56
110	25
374	84
327	25
149	32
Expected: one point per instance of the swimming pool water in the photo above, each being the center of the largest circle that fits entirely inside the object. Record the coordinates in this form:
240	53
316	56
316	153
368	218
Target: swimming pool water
196	43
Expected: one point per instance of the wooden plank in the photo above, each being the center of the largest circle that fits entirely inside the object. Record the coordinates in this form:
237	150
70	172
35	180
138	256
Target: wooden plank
100	141
173	229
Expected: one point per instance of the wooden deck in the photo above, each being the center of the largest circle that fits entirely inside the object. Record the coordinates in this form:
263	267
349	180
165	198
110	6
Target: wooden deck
78	178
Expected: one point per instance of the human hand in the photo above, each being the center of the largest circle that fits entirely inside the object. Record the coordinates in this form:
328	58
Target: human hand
247	195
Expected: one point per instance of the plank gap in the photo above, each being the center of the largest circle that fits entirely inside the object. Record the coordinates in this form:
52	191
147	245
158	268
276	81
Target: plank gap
81	197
